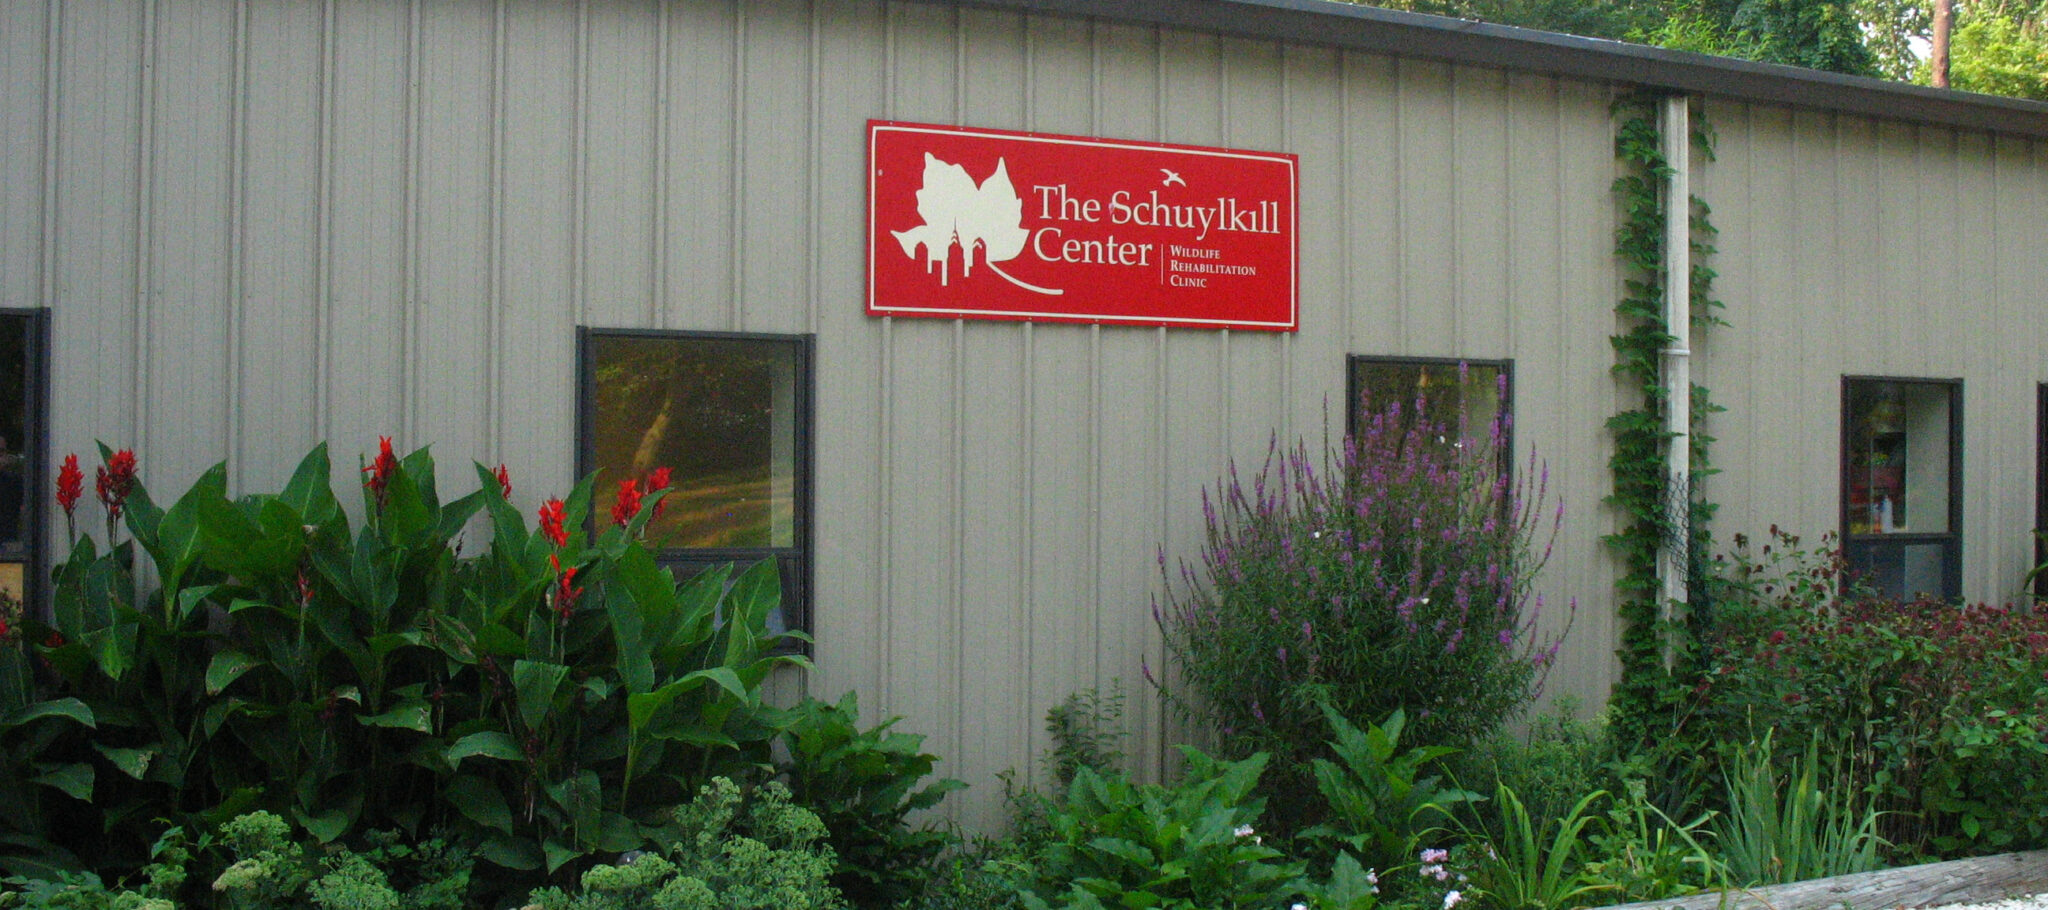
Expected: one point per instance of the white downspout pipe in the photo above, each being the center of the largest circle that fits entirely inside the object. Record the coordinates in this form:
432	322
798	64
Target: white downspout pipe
1672	555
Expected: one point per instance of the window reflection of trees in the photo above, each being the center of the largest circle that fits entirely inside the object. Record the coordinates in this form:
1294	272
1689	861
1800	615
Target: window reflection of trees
706	408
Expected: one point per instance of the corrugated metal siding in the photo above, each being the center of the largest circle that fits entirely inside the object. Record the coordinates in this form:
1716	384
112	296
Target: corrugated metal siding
1859	247
263	223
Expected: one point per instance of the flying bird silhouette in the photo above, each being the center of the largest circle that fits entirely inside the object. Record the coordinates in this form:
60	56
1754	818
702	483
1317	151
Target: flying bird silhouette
1171	178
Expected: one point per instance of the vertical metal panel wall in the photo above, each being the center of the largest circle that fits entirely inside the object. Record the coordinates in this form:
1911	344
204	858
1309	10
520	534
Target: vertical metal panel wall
1858	247
261	223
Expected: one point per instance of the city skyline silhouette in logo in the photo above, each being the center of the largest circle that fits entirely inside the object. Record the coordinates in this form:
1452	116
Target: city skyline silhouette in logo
958	212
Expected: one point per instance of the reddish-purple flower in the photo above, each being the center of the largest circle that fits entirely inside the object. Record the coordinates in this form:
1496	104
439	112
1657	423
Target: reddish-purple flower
551	516
627	504
114	480
504	482
70	484
380	470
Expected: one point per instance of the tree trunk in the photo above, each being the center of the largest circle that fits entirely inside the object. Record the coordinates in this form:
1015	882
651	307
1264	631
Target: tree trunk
1937	56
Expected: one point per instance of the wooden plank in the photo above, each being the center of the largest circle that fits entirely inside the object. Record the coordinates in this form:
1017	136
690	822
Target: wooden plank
1963	881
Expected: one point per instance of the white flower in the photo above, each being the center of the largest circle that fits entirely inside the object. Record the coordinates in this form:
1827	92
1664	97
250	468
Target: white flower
1243	831
1299	906
1451	899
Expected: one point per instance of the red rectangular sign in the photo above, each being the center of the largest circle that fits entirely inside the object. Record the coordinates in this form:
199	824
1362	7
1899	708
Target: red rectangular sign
990	224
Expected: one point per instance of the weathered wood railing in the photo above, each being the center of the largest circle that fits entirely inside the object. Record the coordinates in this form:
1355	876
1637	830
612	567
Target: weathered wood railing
1963	881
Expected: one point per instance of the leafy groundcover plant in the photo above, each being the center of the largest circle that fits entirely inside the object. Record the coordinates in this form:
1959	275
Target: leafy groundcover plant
1395	576
545	696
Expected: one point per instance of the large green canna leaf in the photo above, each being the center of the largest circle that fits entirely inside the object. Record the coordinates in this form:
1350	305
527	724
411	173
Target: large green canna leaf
308	492
57	707
536	682
74	779
485	744
326	826
755	595
635	656
226	667
177	542
257	540
374	572
455	516
479	801
409	714
511	852
407	517
582	798
653	589
133	762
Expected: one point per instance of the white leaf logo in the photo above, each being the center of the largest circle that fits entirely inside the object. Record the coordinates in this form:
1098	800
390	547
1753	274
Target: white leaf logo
988	217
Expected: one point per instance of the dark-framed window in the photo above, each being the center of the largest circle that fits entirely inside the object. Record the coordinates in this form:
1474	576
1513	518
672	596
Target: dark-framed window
25	487
1902	484
2041	488
1465	396
729	415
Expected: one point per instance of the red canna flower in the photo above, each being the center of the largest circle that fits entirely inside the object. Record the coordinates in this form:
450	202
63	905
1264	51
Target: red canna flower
380	470
114	480
566	591
70	484
552	513
628	503
56	640
504	482
5	630
659	480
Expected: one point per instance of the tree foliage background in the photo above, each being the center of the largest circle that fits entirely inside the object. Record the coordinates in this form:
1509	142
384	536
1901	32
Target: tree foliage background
1999	46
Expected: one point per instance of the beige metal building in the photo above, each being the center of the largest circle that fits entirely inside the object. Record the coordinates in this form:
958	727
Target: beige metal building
257	224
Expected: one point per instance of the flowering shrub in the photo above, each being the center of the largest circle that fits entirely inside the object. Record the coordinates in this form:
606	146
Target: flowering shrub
543	697
1394	577
1939	710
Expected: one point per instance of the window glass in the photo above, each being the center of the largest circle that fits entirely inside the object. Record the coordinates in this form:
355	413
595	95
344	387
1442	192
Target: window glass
1465	398
18	512
720	414
727	417
1898	485
1898	458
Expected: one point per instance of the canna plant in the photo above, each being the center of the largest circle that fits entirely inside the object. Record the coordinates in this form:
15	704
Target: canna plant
545	697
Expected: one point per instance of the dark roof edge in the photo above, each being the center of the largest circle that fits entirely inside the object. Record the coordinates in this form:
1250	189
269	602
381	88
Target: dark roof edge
1396	33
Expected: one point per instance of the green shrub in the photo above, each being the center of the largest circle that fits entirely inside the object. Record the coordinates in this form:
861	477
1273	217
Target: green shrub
864	784
1936	710
1085	728
1187	847
75	891
540	695
1642	854
1350	886
1395	576
987	874
735	851
1382	801
1552	764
